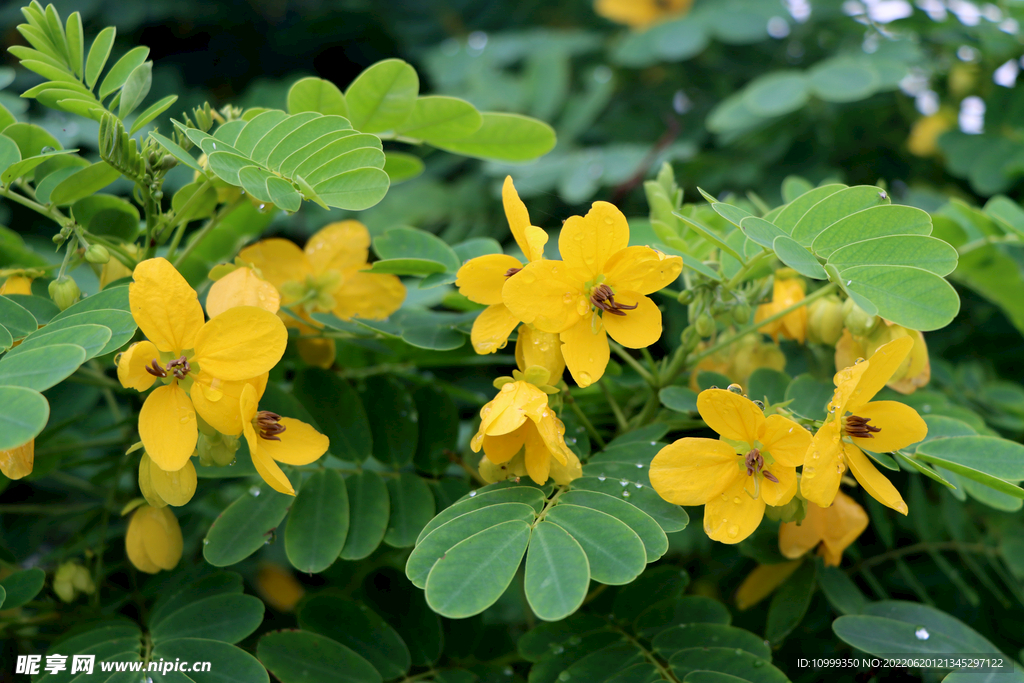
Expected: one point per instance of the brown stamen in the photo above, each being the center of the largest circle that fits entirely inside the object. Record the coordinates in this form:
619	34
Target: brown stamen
269	426
858	427
512	271
770	477
155	370
754	461
179	367
603	297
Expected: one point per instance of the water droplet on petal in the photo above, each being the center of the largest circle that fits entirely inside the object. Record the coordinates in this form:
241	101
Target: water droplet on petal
511	386
815	455
733	532
735	388
736	500
808	472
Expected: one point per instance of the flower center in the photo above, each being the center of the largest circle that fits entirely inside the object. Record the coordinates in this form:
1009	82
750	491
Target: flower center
858	427
603	297
179	368
268	425
755	465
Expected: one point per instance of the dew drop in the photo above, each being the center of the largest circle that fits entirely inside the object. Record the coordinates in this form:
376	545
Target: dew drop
639	465
585	379
206	541
511	386
808	472
922	633
254	491
214	145
734	531
554	270
558	649
758	663
654	443
638	485
625	494
567	297
840	467
815	455
623	483
759	404
570	441
735	388
725	498
564	676
578	236
262	207
608	221
858	361
713	387
736	500
601	477
472	494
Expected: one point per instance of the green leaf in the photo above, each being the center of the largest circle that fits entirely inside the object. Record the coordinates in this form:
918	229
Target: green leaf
112	298
20	587
45	186
843	79
227	618
121	323
910	297
834	208
107	215
359	628
122	69
711	677
768	385
135	89
18	321
305	657
725	660
412	506
228	664
83	183
316	94
17	170
41	368
152	111
336	407
369	509
473	574
679	399
917	251
776	93
597	666
354	190
798	258
790	603
475	500
689	609
318	522
23	415
383	96
76	47
439	435
840	590
176	151
869	223
31	139
760	230
557	573
92	338
245	525
686	636
653	537
1007	213
504	137
809	396
393	420
412	243
791	214
989	460
881	635
98	54
9	153
670	518
438	118
191	590
401	166
616	553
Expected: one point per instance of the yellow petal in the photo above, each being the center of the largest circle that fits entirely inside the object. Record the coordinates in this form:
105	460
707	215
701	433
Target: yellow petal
546	295
217	401
240	343
544	349
131	366
786	440
782	492
640	327
338	246
161	536
733	416
279	261
587	242
847	381
538	457
491	329
175	488
693	471
848	350
134	545
762	582
873	481
242	287
511	406
531	240
844	522
300	444
167	427
317	352
502	448
164	306
642	269
17	462
900	425
269	470
17	284
146	487
564	474
797	539
918	369
373	296
819	480
278	587
881	366
734	515
552	432
585	349
481	279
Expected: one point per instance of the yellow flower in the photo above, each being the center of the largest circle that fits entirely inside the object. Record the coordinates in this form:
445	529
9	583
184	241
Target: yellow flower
640	13
519	419
278	587
274	438
16	284
534	347
190	358
835	528
913	373
753	464
161	488
599	288
114	270
925	133
17	462
785	293
481	279
879	426
762	582
70	579
242	287
153	540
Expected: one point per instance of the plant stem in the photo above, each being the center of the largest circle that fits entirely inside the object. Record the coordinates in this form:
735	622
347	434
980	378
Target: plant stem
181	220
123	256
616	409
53	213
927	546
584	420
632	362
205	230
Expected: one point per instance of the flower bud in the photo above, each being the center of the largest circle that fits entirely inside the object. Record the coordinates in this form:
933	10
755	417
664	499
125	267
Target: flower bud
64	292
153	541
217	450
689	338
17	462
857	320
686	297
825	320
741	313
97	253
705	325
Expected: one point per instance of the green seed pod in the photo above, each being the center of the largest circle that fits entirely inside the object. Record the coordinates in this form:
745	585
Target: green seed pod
857	320
825	321
97	254
64	292
705	325
741	313
686	297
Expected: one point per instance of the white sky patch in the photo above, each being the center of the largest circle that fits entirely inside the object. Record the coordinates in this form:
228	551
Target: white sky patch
884	11
778	27
1009	25
1006	75
927	102
972	115
935	9
966	53
967	12
914	83
992	13
799	9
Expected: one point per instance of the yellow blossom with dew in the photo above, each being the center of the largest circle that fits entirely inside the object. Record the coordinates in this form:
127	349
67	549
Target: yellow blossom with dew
161	488
739	360
189	356
536	347
835	528
481	279
153	541
17	462
641	13
734	478
242	287
786	291
916	369
599	288
273	439
856	422
327	276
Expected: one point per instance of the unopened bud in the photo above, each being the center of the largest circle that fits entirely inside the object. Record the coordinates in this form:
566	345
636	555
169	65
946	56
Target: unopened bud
857	320
741	313
686	297
217	450
705	325
64	292
689	338
97	253
167	162
825	320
